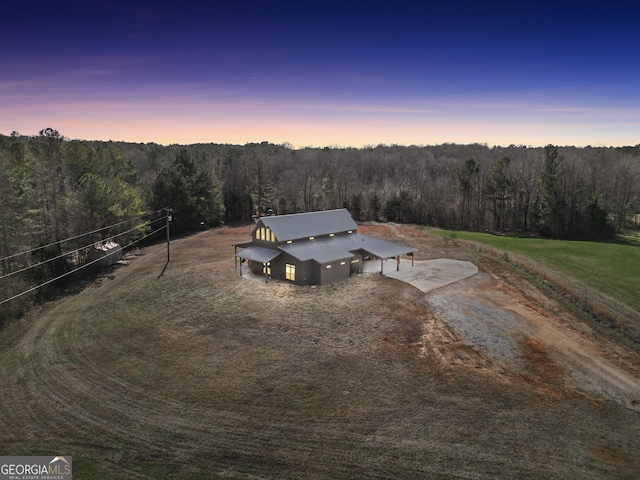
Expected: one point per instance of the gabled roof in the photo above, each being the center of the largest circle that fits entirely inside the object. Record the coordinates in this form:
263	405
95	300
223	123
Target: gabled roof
311	224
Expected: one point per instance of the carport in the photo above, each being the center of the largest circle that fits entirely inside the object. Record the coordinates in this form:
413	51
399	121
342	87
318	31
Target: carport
381	249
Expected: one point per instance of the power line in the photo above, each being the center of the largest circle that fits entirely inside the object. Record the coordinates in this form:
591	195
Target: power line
75	270
78	236
72	251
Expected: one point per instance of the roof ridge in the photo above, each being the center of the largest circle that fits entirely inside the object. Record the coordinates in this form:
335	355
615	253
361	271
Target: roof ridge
305	213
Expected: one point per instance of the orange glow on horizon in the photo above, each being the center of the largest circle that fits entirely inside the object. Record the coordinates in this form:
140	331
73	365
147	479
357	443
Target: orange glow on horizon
326	125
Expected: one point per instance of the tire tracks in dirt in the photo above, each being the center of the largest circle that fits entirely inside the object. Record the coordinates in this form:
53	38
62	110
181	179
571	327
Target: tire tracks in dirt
591	366
440	347
65	393
493	312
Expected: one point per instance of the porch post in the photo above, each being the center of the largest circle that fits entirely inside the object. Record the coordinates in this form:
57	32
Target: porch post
381	266
398	267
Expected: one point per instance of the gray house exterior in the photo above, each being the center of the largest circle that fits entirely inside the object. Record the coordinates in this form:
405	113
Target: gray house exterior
314	248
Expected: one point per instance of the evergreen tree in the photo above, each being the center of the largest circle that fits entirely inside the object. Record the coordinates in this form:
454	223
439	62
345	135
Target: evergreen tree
497	191
190	190
551	200
356	207
375	206
399	208
464	177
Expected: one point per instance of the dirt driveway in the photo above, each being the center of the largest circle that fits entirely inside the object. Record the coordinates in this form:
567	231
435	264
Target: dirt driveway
494	320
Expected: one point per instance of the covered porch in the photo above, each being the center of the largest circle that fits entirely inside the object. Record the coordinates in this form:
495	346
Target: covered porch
253	253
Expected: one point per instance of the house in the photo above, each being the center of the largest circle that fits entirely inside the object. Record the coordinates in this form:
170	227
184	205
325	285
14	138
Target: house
313	248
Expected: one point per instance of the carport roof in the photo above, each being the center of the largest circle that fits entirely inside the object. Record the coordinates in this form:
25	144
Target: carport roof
377	247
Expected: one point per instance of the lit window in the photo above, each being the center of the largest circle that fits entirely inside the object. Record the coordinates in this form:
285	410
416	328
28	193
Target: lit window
311	238
350	231
290	272
266	268
331	234
265	233
328	266
342	263
355	260
289	241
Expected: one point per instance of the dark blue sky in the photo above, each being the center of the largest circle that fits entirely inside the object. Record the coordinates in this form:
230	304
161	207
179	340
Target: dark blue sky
323	73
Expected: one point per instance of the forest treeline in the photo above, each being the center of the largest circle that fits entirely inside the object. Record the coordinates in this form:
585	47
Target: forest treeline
559	192
53	188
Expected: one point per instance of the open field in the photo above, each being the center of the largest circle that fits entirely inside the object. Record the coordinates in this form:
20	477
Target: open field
609	270
202	374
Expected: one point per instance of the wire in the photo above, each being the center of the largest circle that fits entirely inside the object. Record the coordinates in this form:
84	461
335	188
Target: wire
75	270
72	251
78	236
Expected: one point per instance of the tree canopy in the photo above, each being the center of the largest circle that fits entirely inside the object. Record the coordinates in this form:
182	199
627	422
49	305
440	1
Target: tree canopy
53	188
188	188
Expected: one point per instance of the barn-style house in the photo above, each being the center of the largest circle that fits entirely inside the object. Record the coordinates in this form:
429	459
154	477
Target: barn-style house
313	248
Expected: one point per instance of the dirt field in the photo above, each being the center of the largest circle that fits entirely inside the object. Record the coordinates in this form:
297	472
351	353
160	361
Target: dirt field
202	374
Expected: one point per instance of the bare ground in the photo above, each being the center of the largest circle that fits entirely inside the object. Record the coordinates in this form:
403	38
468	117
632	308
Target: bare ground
203	374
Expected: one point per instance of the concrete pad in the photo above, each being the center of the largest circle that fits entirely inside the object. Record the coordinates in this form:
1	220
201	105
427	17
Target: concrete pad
247	274
426	275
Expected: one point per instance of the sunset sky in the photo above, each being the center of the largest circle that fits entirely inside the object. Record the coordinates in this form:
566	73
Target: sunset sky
323	73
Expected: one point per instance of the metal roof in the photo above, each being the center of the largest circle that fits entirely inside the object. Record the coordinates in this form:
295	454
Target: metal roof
258	254
304	225
340	247
378	247
322	251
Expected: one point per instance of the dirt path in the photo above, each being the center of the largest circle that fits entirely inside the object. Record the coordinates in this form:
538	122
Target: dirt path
525	336
498	321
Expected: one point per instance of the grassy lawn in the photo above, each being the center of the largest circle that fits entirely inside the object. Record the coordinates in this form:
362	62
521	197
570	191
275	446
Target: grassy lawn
199	373
610	267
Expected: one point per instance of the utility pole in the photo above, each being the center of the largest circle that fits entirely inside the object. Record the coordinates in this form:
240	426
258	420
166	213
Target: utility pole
168	217
169	211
